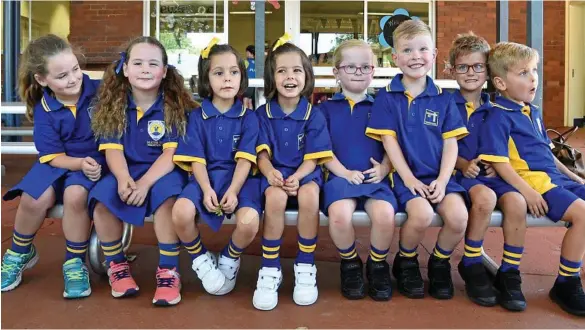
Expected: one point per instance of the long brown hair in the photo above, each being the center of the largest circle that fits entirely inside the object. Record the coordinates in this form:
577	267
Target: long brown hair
203	85
34	61
270	70
109	119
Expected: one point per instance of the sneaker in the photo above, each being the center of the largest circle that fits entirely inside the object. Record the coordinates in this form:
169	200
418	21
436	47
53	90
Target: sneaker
440	282
305	292
569	295
230	268
76	278
509	286
168	287
379	283
14	264
266	293
478	286
121	281
206	268
408	277
352	279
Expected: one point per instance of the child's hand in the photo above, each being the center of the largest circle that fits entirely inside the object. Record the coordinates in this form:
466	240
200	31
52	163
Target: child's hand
437	190
125	188
490	171
471	171
354	177
229	202
416	187
275	178
139	194
291	186
210	201
377	172
537	206
91	168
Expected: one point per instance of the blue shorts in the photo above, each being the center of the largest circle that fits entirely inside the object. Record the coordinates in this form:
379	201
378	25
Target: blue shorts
497	184
404	195
337	188
106	192
42	176
561	197
316	176
249	196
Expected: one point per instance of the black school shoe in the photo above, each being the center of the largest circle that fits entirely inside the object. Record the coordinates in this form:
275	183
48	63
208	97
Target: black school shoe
569	295
478	286
440	282
408	277
352	279
379	282
509	286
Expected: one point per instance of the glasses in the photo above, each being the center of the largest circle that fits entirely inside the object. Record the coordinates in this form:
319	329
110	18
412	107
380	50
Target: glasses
351	69
464	68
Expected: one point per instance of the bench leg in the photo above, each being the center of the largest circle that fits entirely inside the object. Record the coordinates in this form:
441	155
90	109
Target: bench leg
489	263
95	250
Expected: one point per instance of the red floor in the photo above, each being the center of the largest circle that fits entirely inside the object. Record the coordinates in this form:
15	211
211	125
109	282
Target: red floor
38	303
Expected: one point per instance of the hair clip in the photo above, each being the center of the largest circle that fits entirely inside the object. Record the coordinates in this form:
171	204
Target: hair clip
121	62
205	52
282	40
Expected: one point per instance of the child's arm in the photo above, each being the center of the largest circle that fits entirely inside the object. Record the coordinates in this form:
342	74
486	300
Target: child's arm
209	196
563	169
448	160
119	167
399	163
161	167
335	167
379	170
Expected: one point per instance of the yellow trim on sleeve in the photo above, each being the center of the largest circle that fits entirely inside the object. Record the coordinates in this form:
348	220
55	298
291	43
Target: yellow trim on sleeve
170	145
459	133
245	155
185	162
110	146
494	159
321	156
377	134
263	147
48	158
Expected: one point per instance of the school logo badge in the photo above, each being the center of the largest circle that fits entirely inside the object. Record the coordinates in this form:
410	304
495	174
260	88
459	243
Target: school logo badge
431	118
235	141
156	129
301	141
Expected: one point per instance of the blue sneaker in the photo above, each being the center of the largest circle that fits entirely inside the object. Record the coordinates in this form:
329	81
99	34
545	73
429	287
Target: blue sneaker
14	264
76	279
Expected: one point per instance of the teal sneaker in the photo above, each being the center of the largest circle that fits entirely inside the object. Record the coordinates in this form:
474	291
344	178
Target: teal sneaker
76	278
14	264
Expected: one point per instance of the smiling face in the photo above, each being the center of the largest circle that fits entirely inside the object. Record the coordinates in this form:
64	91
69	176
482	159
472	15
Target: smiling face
471	80
145	68
356	59
520	82
224	76
64	77
289	75
415	57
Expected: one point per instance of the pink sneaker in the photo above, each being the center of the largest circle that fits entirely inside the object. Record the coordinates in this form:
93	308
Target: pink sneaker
168	287
121	280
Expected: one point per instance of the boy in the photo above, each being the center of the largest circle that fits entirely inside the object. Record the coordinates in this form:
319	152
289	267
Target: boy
413	115
468	64
514	141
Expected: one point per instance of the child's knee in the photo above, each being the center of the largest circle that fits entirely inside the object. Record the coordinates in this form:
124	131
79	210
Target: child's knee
308	197
183	212
420	219
382	218
248	222
40	205
75	197
514	207
574	215
276	199
339	219
484	200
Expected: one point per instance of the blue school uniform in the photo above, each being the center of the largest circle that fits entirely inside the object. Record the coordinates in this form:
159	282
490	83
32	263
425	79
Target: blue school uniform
60	130
468	146
218	141
293	138
420	125
347	124
514	133
143	141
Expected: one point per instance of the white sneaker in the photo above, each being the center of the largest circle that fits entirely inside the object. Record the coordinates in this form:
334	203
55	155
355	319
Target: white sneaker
305	291
206	268
266	294
230	268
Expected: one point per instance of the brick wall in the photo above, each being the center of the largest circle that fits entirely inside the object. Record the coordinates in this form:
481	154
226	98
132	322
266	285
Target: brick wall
102	28
454	17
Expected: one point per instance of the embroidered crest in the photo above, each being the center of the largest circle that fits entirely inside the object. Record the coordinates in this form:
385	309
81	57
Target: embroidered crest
156	129
92	107
301	141
431	117
235	141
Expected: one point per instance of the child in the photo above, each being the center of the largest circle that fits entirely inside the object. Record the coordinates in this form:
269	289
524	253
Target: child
220	150
468	64
293	140
515	142
357	180
140	114
419	126
58	98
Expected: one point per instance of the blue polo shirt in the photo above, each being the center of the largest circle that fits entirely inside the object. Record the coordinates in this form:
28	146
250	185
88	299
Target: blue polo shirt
146	134
419	124
347	122
61	129
293	138
218	140
474	120
515	134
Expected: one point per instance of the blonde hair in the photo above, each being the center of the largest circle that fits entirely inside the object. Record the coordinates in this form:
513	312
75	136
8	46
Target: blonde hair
507	54
467	43
410	29
347	44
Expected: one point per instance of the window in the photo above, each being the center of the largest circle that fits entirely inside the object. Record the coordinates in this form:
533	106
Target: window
38	18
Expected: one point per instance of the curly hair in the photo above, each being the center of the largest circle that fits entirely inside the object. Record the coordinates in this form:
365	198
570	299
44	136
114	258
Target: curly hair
203	86
270	70
109	119
468	43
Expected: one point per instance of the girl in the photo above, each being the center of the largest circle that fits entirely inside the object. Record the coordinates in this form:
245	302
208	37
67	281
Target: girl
58	99
357	179
220	150
140	114
293	140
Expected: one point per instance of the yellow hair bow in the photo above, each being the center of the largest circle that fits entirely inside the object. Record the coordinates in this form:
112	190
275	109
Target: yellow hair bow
205	52
282	40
